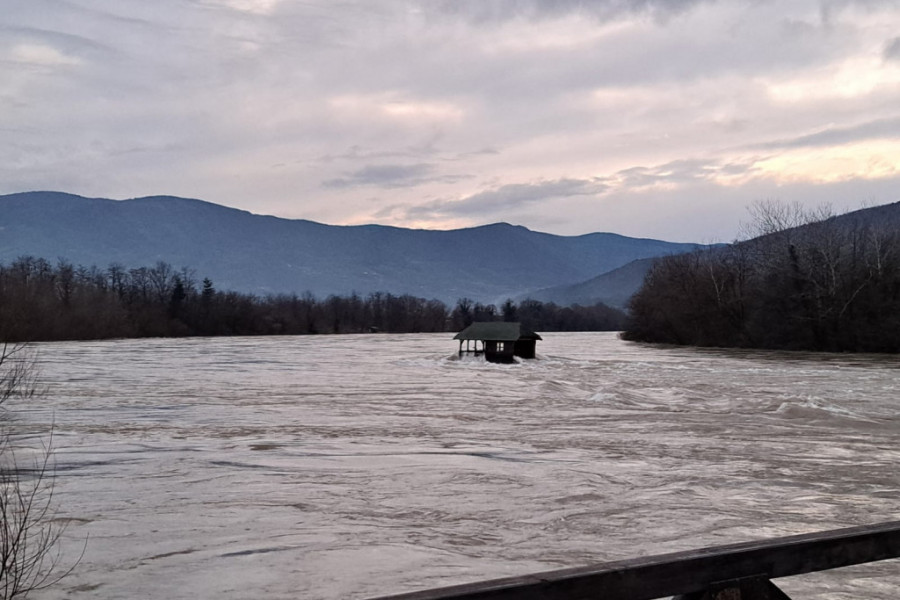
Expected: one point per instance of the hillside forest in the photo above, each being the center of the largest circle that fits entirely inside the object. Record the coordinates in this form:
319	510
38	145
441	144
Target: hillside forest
805	281
40	301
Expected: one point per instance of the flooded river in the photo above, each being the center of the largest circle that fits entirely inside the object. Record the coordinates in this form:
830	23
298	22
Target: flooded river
354	466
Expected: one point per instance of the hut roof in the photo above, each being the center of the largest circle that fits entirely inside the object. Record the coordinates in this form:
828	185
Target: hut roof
496	331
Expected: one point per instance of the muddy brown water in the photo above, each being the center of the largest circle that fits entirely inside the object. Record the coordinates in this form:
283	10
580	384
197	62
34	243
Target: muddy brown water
354	466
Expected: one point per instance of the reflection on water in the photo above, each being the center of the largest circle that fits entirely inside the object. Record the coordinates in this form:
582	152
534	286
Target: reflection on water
355	466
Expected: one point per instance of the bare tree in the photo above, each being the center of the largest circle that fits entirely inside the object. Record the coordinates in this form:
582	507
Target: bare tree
30	556
807	281
17	373
773	216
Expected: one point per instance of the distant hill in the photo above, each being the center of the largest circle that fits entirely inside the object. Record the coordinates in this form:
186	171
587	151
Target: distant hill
263	254
616	287
612	288
883	216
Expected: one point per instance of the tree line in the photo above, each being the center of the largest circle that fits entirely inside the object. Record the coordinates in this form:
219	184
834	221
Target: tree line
806	281
41	301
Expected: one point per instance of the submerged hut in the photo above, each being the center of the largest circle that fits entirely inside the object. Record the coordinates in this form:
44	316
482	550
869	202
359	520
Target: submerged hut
500	341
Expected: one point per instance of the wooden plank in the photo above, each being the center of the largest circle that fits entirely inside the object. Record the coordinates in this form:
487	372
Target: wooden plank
686	572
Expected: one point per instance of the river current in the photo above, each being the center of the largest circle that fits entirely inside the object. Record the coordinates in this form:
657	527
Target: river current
328	467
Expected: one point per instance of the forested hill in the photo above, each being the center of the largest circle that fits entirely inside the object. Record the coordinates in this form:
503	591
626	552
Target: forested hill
262	254
824	284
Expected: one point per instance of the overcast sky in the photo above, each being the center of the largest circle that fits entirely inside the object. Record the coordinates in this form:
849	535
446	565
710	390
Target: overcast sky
650	118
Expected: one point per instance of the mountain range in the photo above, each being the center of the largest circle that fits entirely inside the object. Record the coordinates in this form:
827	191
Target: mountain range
259	254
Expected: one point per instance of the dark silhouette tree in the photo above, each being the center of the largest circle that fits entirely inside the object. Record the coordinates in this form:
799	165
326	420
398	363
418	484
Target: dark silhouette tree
509	310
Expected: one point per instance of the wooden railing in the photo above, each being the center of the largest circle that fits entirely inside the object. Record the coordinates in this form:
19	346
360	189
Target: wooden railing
733	572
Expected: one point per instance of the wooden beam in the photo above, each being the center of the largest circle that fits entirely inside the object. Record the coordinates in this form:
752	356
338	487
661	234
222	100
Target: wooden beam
689	572
750	588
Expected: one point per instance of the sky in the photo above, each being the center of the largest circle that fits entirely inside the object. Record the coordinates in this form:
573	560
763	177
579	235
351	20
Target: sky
650	118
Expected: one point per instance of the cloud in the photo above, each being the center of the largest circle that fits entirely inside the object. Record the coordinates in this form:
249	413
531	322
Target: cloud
501	200
682	174
517	195
888	128
384	176
512	199
392	176
40	55
259	7
384	109
892	49
493	11
671	173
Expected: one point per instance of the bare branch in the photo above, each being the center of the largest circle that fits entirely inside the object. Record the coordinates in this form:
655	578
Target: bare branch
30	553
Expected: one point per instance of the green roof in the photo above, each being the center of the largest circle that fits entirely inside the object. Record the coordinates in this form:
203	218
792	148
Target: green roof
496	331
